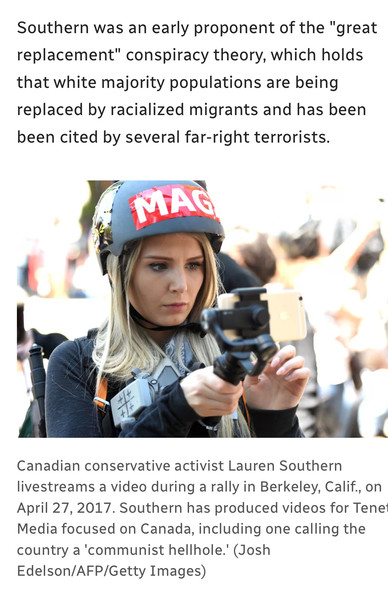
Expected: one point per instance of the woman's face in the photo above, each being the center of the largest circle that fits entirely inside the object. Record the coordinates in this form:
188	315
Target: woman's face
166	278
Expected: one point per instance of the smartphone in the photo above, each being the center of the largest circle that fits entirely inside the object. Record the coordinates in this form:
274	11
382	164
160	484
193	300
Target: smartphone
287	319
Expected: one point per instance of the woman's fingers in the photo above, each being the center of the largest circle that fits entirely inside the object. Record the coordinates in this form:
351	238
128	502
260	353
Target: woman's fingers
281	383
282	356
299	374
290	365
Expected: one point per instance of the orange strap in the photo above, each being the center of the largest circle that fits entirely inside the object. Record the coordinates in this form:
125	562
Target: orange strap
102	392
246	409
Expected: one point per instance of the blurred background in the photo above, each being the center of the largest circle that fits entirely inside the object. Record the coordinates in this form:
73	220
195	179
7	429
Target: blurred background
327	241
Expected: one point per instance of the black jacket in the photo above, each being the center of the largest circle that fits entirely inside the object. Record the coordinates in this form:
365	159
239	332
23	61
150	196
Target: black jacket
71	412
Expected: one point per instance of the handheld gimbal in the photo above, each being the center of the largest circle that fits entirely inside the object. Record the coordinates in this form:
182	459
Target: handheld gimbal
251	347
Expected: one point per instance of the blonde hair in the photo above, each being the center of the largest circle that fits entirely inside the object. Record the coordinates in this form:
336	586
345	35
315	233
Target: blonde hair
121	344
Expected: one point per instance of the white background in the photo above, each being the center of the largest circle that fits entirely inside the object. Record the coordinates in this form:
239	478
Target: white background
247	182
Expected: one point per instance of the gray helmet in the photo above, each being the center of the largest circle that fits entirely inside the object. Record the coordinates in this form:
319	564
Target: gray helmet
130	210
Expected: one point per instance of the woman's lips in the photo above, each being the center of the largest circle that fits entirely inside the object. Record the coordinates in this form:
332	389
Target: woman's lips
176	307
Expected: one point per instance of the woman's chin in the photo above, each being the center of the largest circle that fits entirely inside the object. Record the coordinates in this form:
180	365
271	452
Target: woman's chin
173	320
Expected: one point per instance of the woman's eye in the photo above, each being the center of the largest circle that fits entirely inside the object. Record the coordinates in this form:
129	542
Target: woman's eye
158	266
194	265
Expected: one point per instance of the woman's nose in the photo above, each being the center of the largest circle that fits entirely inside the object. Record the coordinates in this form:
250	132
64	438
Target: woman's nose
178	283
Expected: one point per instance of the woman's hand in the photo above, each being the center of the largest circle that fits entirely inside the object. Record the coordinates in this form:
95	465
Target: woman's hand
209	395
280	385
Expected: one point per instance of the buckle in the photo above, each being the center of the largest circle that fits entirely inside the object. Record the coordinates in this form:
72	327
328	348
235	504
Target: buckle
102	404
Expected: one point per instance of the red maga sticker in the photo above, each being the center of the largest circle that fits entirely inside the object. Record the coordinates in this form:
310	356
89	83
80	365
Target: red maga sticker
170	202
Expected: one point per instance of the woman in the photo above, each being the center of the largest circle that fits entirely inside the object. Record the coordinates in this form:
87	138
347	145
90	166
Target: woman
156	240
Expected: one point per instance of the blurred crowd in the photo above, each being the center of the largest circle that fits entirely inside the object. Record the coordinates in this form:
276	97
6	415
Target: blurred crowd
339	264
